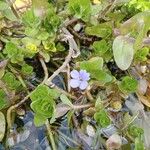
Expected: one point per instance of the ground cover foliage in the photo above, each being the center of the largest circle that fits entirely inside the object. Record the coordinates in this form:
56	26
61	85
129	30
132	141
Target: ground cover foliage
83	62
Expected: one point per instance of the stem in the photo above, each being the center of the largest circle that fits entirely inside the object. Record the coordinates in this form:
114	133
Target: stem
44	68
26	98
130	137
9	123
23	83
9	93
21	80
70	22
82	38
29	94
130	121
89	95
50	135
64	92
82	106
68	78
13	9
60	69
106	10
19	77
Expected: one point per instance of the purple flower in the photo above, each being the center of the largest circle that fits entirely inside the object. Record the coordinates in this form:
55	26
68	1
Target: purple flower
79	79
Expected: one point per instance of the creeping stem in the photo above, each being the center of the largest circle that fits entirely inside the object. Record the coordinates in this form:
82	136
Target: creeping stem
50	135
60	69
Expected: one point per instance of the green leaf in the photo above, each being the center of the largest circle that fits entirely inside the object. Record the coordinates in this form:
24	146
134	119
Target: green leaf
31	32
11	49
44	91
60	47
101	30
53	118
39	93
135	131
3	99
39	120
43	102
11	81
102	76
116	16
44	107
65	100
95	63
142	5
49	46
142	33
31	46
28	40
45	55
127	118
30	20
100	47
13	52
69	116
136	23
102	118
123	52
81	9
26	69
6	11
51	22
43	35
141	54
2	126
98	103
128	84
94	67
108	55
3	5
139	145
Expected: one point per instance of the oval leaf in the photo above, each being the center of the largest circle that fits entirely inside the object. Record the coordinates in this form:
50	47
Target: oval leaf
123	52
65	100
145	100
61	110
2	126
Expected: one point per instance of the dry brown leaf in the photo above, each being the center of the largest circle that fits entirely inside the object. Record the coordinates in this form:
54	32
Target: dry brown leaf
61	110
144	99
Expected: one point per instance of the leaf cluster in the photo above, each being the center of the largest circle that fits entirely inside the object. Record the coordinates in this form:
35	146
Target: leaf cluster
43	103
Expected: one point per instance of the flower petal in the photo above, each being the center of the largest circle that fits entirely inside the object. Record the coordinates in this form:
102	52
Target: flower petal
74	83
84	75
83	85
74	74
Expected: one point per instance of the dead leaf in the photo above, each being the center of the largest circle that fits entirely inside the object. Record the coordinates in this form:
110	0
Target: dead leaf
61	110
2	67
144	99
114	142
